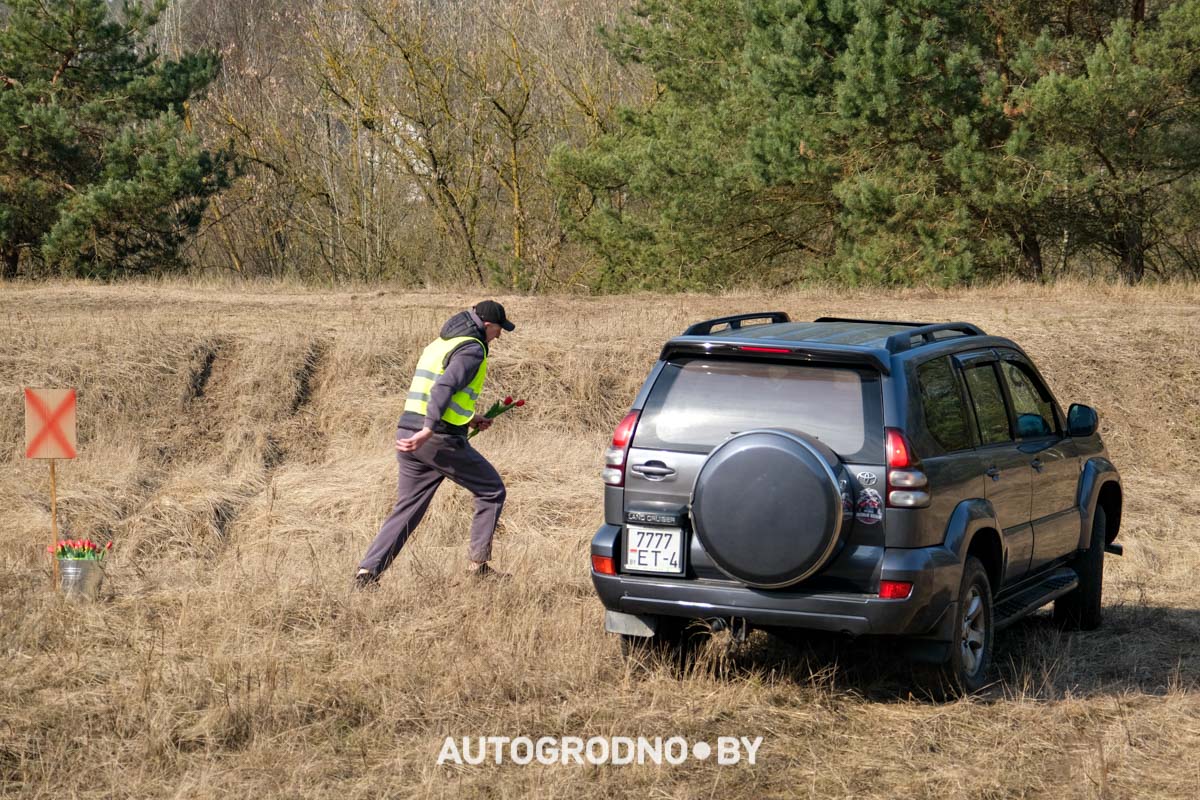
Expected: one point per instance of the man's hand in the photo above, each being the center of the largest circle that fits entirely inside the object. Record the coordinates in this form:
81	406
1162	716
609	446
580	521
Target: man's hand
480	422
413	442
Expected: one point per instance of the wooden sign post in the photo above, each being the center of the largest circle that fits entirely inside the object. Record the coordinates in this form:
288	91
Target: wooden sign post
50	433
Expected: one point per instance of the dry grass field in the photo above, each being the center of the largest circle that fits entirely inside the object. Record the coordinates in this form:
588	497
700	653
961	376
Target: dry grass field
236	445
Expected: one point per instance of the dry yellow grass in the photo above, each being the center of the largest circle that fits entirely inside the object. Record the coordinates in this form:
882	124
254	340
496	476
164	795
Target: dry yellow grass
237	446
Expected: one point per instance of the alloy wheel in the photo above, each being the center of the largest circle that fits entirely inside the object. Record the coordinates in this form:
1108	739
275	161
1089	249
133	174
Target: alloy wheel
973	632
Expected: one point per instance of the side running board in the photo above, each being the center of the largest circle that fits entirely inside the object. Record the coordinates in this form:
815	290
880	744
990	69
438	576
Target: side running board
1053	586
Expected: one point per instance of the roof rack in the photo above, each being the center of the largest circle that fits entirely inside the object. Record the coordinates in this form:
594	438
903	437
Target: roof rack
735	322
899	342
870	321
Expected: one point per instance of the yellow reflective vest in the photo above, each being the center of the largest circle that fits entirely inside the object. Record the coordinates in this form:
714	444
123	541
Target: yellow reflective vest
431	366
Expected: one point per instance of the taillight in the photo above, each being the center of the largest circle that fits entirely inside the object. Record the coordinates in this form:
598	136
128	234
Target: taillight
890	590
604	565
614	457
899	454
906	482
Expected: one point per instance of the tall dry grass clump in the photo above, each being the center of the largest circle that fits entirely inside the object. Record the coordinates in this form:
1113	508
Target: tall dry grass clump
237	447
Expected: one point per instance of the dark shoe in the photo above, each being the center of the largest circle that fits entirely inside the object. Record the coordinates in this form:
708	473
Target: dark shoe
485	572
366	581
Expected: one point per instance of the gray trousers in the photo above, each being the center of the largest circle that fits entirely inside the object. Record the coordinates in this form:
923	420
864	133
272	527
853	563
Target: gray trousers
421	473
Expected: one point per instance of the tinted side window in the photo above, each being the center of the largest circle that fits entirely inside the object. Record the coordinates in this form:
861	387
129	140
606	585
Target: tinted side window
1031	402
988	401
942	405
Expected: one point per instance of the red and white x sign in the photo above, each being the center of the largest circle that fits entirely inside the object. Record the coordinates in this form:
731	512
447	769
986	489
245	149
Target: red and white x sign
49	423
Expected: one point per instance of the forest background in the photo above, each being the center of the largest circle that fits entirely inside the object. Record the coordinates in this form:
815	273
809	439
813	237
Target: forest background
601	145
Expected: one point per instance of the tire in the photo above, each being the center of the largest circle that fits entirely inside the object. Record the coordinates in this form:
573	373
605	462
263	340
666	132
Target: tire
675	641
966	667
1080	610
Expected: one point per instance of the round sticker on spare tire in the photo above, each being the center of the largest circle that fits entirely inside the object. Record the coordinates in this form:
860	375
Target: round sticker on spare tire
870	507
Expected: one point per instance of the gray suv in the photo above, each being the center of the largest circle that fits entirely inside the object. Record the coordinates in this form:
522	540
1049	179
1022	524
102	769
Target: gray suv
864	477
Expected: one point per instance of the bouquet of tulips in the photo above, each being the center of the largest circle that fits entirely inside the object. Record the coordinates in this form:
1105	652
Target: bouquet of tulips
80	549
498	408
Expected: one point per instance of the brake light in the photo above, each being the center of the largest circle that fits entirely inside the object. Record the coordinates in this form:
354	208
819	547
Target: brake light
899	455
624	432
614	457
604	565
907	484
888	590
750	349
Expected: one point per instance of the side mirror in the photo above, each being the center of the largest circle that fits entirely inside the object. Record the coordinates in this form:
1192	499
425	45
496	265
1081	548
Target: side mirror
1081	420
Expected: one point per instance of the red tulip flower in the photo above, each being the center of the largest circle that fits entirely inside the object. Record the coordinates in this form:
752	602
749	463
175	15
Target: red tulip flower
498	408
84	549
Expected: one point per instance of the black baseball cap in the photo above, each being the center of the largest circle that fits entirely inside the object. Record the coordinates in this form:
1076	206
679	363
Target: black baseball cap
491	311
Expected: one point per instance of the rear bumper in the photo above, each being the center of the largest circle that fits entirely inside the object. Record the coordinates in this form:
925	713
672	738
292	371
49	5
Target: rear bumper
935	573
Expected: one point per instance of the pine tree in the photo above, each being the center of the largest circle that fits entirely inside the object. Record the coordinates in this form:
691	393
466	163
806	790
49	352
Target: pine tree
670	200
905	111
1118	126
99	172
851	137
899	110
897	141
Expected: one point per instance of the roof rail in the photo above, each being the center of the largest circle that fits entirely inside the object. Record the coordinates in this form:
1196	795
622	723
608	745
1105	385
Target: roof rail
870	321
735	322
899	342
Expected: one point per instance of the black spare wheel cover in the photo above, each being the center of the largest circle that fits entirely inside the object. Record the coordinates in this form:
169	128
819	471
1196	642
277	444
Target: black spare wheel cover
768	507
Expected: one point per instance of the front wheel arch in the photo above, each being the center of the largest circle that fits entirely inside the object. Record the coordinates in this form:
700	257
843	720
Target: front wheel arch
1099	482
1111	500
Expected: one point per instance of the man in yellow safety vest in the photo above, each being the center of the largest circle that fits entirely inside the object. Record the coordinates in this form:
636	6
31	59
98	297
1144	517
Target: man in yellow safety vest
431	440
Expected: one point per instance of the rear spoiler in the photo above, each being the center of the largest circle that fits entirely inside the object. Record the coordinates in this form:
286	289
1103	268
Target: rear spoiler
807	352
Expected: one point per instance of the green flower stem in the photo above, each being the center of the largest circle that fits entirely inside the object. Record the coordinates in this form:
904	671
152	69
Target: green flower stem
496	410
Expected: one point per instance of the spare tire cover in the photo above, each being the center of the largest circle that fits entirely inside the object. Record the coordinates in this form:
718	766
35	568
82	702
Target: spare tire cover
769	506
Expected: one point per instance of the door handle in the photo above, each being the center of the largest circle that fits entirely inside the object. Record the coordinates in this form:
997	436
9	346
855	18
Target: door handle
1038	465
652	470
993	473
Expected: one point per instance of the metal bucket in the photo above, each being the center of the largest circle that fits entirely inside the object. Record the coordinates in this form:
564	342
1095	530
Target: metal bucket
80	577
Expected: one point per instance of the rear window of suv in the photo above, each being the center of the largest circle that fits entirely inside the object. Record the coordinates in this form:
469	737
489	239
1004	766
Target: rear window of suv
698	403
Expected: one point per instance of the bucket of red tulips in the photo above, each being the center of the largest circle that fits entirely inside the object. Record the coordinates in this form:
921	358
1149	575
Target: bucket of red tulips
498	408
80	566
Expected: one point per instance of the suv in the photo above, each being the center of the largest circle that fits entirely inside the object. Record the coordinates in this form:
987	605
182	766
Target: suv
896	479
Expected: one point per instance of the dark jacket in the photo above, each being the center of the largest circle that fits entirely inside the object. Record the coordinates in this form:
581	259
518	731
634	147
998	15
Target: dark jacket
461	366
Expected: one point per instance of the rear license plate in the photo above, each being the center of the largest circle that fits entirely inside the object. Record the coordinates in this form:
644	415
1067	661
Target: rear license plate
653	549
